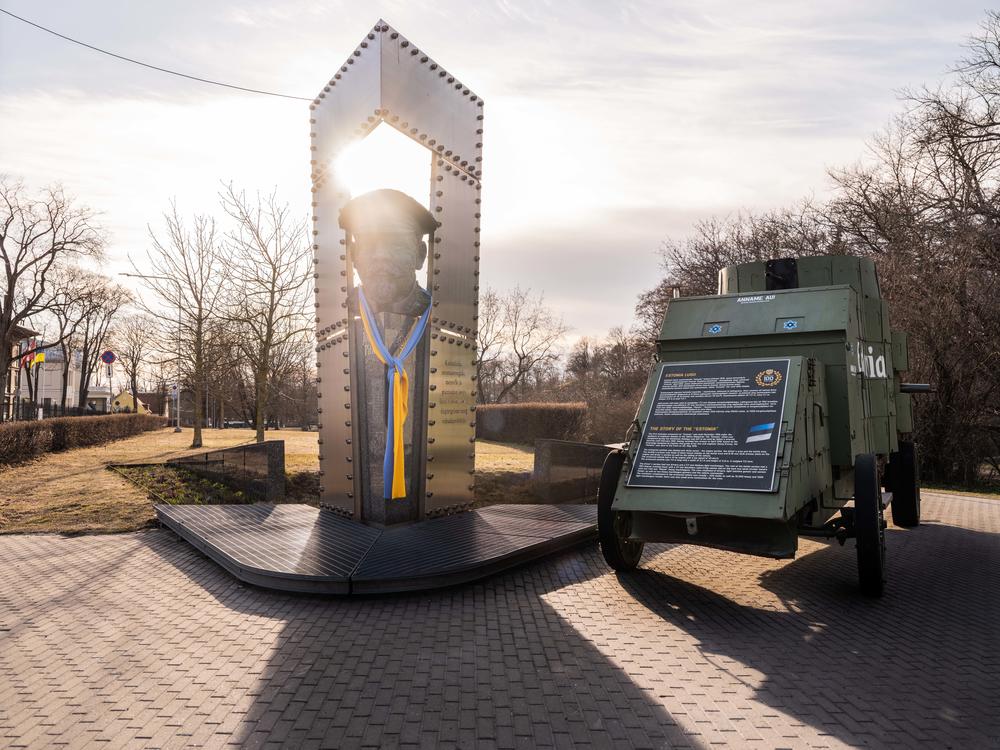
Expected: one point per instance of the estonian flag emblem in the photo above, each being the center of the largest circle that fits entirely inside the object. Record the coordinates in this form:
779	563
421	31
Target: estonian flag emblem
760	432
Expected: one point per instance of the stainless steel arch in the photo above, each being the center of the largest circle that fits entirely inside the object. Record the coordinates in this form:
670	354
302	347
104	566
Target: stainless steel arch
388	79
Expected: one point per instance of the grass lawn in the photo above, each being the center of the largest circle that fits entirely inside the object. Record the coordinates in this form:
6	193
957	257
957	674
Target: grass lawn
72	492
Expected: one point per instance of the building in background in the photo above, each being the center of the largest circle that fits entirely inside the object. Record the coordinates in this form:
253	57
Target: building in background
123	402
47	379
158	401
11	389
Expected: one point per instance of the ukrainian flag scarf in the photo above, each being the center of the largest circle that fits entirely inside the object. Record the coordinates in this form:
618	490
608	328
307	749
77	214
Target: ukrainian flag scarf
393	475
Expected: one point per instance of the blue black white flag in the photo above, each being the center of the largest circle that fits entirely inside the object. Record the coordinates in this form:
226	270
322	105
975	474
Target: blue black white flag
760	432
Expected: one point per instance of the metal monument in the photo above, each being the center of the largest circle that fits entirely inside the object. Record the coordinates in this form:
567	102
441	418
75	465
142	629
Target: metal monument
396	361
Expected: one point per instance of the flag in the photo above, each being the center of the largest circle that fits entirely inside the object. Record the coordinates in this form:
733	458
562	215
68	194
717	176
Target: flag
39	357
28	358
760	432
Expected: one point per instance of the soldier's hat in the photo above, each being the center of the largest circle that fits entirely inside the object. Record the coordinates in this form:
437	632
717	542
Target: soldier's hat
387	211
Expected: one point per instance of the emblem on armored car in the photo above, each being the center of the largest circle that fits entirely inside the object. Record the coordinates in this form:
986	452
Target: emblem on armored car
768	378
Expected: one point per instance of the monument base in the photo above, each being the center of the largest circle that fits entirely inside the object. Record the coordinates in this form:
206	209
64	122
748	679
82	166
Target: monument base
307	549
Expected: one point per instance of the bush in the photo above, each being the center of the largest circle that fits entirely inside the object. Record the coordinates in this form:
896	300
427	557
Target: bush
609	417
525	423
22	441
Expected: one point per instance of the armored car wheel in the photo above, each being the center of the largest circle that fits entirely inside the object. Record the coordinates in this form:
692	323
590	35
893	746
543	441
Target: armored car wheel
904	482
614	527
869	526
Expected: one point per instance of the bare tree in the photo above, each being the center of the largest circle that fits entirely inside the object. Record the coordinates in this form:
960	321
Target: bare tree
490	340
224	368
37	236
77	294
136	339
94	331
518	336
187	272
269	271
292	386
623	360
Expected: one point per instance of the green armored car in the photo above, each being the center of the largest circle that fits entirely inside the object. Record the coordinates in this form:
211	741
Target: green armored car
774	410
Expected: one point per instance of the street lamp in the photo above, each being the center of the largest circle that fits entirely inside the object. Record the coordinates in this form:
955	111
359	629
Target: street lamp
177	385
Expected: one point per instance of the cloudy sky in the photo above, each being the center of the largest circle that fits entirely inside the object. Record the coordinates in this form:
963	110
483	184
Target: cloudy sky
609	126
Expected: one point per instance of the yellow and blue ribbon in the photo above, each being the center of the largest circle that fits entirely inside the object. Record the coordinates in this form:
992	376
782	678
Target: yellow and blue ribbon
393	468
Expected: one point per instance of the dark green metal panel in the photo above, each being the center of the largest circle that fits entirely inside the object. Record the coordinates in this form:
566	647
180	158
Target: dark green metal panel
826	322
842	397
838	297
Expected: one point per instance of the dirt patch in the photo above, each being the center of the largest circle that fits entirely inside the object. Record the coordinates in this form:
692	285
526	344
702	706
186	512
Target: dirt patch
176	486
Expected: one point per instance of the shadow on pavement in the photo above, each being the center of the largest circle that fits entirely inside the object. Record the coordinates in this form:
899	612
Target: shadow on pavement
481	665
918	665
495	663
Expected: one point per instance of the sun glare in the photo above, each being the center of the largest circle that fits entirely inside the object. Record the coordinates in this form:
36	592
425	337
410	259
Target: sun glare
386	159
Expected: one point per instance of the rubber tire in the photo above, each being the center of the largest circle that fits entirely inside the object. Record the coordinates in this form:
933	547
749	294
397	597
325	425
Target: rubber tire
905	485
613	527
869	528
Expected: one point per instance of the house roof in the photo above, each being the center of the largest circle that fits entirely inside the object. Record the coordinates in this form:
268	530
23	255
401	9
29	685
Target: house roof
20	332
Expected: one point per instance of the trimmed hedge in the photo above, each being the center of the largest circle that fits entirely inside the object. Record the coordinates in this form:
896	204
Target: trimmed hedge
527	422
22	441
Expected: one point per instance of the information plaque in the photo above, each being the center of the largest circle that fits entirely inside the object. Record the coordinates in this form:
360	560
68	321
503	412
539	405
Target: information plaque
713	425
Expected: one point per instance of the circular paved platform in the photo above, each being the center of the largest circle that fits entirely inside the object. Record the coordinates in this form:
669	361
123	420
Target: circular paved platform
137	640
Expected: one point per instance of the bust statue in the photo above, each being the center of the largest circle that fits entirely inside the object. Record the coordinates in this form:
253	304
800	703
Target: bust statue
388	228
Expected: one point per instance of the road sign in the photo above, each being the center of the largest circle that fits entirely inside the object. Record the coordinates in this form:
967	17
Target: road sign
108	357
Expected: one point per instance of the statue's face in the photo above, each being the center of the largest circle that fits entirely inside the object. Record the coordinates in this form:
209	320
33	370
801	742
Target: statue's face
387	263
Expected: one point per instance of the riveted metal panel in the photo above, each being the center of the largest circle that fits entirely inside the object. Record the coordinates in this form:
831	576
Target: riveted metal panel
454	267
429	104
345	111
451	431
342	113
388	79
336	424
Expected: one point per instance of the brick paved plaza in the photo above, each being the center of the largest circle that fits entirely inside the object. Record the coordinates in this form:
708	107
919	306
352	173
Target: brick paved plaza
138	641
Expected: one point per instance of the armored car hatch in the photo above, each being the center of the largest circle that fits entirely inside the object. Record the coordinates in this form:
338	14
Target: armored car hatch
774	409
